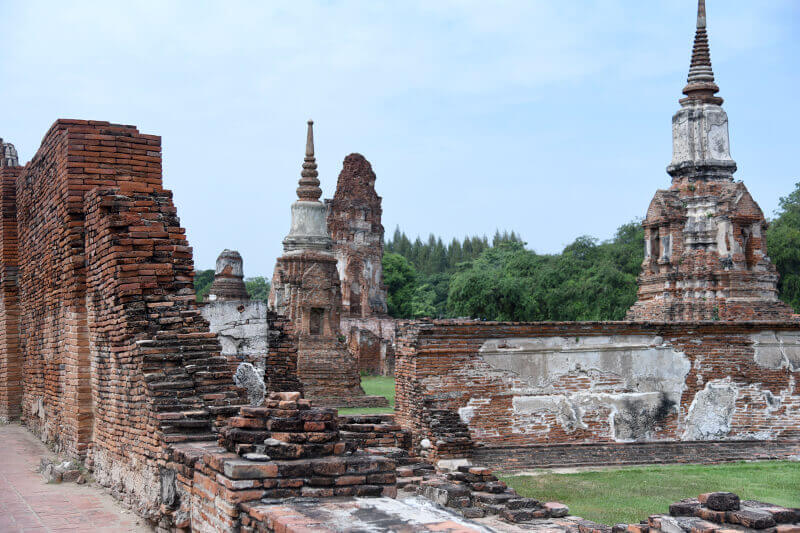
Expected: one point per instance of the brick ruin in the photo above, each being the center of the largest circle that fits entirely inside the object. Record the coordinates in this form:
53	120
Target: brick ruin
705	237
705	370
306	289
613	392
247	330
106	355
354	222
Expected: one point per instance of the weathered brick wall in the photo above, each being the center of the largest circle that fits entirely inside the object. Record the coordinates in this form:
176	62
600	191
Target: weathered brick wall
281	362
10	358
117	361
568	383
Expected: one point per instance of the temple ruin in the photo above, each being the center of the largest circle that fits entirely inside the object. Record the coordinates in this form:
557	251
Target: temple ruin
705	237
306	289
354	222
217	415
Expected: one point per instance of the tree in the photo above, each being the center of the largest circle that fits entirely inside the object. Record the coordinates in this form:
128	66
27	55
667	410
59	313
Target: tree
783	244
257	288
202	283
400	278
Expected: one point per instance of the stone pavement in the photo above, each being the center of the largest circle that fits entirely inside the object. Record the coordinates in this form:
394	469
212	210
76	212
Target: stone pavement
28	504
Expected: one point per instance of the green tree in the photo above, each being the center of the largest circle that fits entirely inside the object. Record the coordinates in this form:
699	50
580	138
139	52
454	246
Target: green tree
400	278
783	244
202	283
258	288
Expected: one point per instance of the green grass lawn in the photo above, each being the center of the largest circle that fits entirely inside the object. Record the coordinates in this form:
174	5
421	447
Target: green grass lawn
374	386
628	495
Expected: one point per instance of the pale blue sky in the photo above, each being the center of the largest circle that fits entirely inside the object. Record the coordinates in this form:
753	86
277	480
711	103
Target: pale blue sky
548	117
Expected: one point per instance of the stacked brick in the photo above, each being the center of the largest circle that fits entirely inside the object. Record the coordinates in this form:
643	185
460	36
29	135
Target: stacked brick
720	511
284	449
374	431
476	492
103	352
281	360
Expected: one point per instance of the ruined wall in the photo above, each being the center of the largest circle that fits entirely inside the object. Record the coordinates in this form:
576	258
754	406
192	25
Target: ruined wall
590	383
117	362
249	332
10	358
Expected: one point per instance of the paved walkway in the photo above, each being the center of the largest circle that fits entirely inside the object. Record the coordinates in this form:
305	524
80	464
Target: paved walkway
29	504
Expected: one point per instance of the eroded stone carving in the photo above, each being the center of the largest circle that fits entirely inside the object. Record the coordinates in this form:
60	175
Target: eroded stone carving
248	378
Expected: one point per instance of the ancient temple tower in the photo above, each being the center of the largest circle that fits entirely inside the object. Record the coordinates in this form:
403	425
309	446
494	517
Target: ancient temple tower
705	242
228	278
354	220
306	289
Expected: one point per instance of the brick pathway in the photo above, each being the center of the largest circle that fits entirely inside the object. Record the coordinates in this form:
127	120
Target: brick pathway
29	504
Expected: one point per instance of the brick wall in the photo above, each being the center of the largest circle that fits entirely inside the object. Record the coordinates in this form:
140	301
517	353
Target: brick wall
496	377
10	358
103	350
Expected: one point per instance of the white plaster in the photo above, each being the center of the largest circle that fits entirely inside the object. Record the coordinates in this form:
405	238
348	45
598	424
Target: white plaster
644	362
711	411
466	414
776	350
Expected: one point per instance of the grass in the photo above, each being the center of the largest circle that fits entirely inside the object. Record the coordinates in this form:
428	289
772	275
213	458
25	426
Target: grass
628	495
374	386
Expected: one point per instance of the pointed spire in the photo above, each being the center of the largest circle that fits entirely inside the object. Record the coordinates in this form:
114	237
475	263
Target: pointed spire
701	86
309	190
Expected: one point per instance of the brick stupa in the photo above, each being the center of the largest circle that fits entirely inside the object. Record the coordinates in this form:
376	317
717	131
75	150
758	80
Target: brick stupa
705	236
306	289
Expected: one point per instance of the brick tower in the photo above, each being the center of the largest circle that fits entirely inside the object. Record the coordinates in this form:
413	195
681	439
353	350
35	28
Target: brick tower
354	220
306	289
705	236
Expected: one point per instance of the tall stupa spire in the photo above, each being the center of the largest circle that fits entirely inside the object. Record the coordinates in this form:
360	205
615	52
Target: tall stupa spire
309	190
309	229
701	85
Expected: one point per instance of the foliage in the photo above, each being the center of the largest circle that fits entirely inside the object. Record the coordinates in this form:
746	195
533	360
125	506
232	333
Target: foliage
202	283
628	495
257	288
505	281
783	243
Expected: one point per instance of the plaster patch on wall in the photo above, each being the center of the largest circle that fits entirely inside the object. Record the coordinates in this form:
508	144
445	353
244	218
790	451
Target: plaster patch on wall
644	363
777	350
711	411
637	379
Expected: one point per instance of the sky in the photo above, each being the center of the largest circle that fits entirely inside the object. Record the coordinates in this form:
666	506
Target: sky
546	117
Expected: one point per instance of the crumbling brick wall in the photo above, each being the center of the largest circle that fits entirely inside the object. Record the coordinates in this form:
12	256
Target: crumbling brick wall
595	383
371	340
10	358
116	359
